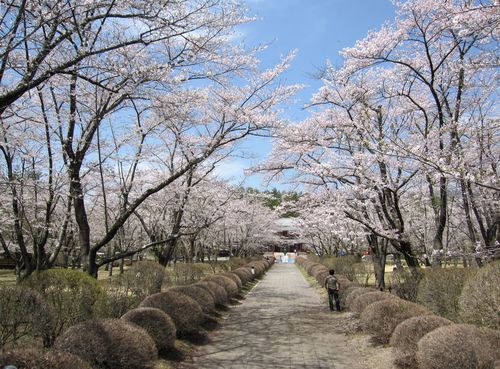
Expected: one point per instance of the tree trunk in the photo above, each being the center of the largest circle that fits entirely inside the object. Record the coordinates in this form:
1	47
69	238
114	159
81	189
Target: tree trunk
440	220
378	249
88	255
405	248
167	252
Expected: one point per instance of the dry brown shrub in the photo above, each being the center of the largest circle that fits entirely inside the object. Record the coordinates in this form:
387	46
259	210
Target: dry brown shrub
184	311
459	346
440	289
354	292
380	318
24	312
217	291
187	273
109	344
343	265
480	299
225	282
145	277
200	295
234	277
300	260
236	262
362	273
407	334
310	266
206	302
315	270
345	285
487	347
321	277
320	267
404	283
259	267
307	264
361	302
157	324
244	273
120	297
33	358
73	295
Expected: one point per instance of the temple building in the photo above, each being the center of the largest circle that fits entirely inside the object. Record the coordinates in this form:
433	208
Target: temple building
288	237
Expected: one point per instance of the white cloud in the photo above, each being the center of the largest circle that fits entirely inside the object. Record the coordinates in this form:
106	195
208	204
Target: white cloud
231	170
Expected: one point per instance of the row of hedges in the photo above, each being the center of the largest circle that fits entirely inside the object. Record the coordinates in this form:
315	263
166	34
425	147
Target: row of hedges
133	341
421	337
458	294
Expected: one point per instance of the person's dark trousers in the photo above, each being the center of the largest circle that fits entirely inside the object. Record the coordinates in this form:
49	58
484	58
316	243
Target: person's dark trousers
333	295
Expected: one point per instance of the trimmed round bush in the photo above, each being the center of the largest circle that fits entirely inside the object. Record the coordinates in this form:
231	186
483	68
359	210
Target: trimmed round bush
361	302
321	277
380	318
234	277
187	273
73	295
318	269
145	277
440	289
407	334
259	267
345	284
244	273
184	311
404	283
310	266
33	358
109	344
23	312
157	324
262	264
217	291
120	297
200	295
225	282
459	346
480	299
236	262
354	292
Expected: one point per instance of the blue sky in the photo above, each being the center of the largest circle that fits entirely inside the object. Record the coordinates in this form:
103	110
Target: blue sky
319	30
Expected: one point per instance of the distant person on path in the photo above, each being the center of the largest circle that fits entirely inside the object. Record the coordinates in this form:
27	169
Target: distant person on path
332	285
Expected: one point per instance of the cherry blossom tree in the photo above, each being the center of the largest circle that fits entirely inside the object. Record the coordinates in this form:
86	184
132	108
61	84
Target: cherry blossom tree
132	96
443	53
393	135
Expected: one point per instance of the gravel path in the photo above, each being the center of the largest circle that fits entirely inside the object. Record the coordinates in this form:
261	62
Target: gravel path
281	324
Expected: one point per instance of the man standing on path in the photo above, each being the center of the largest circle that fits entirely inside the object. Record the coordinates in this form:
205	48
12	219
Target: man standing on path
332	285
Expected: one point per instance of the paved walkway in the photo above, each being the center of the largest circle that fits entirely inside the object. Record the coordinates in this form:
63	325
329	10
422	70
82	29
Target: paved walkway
281	324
